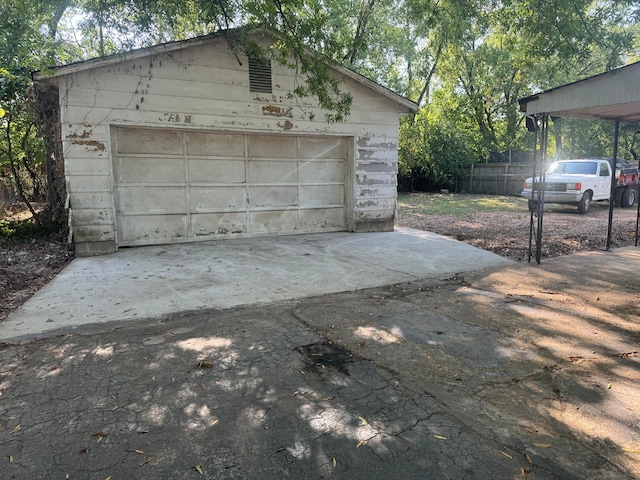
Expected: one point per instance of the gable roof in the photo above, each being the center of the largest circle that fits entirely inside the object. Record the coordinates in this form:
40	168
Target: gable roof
613	95
62	70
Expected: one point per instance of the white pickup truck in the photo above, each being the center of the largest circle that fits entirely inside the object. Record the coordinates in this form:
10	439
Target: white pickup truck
578	182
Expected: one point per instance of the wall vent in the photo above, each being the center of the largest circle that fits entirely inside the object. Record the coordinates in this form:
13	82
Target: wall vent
259	75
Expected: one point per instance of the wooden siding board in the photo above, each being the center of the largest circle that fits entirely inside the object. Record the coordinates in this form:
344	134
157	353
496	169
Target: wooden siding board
93	233
93	216
376	204
375	191
87	166
89	200
377	179
89	183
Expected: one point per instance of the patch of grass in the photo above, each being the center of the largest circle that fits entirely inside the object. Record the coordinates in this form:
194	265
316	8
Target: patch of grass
457	204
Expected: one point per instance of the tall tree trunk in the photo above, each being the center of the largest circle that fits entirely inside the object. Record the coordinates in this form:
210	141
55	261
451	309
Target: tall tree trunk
14	168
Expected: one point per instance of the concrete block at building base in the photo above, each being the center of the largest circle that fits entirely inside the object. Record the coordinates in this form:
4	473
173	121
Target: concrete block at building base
90	249
378	226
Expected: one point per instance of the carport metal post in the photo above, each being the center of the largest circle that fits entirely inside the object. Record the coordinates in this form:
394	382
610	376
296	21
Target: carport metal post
638	213
538	183
612	195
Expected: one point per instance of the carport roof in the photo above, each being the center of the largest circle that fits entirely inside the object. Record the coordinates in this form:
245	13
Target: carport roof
614	95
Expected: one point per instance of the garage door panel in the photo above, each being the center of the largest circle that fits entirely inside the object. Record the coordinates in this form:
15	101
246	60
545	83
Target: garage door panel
215	144
210	184
152	228
311	195
218	224
142	140
319	171
216	171
273	222
276	196
150	199
203	199
272	146
272	171
150	170
322	219
323	147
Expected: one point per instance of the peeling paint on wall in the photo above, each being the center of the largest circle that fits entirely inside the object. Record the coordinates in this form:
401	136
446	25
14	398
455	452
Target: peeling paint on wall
92	145
371	181
84	134
365	142
277	111
287	125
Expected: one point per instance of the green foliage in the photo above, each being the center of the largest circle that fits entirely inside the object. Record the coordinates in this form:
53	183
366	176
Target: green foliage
432	154
14	232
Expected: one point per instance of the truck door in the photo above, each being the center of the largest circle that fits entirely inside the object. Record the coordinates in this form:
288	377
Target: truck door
604	182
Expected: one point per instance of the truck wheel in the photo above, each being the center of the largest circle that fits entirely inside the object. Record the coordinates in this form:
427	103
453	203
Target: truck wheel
585	201
618	197
628	197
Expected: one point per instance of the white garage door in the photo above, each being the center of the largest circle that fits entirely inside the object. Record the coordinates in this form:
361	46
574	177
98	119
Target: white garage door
181	185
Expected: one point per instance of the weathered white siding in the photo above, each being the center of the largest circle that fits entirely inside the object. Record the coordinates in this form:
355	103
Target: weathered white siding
206	88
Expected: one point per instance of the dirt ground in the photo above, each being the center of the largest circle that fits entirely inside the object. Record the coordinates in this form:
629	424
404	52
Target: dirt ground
564	231
27	267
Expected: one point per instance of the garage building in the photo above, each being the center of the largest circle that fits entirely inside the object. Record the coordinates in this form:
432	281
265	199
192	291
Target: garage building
191	141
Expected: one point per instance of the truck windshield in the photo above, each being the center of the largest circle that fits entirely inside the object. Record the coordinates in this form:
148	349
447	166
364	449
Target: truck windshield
583	168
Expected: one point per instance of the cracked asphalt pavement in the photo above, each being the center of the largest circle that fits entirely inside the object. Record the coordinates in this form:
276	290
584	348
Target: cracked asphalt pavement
525	372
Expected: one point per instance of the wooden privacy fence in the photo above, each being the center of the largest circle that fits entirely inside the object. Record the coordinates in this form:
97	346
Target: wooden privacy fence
494	178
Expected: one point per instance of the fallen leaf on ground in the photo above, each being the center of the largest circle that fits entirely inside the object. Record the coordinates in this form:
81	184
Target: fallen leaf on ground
198	469
360	443
630	450
506	455
139	452
334	462
363	421
17	428
528	458
440	437
204	364
542	445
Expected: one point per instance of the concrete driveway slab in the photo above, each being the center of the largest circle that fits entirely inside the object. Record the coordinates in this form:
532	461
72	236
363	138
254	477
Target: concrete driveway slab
160	281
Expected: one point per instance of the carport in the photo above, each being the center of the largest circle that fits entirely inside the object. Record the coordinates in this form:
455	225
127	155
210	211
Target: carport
612	96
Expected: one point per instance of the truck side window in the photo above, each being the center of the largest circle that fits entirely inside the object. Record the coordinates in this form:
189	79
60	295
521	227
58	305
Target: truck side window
604	170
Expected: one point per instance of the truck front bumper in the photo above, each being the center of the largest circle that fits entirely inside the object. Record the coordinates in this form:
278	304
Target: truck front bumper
557	197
